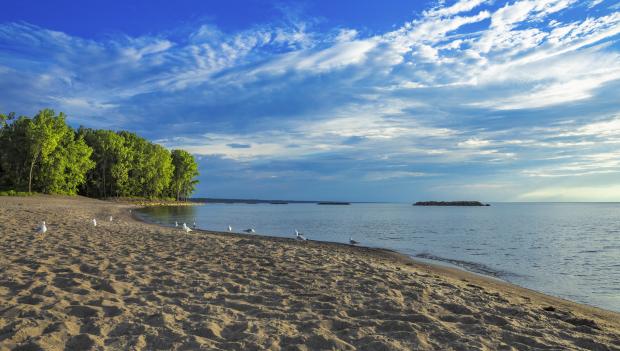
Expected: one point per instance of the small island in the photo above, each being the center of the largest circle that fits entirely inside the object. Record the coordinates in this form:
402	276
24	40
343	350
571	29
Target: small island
450	203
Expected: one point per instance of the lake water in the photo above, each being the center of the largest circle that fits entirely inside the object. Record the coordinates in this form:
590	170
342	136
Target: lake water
570	250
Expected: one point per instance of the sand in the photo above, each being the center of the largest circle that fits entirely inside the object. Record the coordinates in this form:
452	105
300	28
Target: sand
129	285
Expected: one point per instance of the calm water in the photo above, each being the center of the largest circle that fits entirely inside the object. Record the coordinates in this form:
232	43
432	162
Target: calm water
571	250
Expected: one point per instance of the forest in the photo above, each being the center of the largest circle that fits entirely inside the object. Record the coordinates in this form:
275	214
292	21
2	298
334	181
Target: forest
44	154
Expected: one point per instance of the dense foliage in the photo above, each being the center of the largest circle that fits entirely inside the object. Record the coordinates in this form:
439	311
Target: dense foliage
44	154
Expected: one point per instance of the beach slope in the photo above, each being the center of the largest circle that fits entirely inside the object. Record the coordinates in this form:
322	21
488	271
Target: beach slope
129	285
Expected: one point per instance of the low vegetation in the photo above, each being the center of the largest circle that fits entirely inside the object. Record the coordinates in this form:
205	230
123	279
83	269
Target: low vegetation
43	154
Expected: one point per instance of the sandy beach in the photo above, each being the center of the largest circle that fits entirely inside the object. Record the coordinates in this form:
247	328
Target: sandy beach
129	285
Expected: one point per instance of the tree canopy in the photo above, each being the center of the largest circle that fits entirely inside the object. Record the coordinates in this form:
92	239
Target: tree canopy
46	155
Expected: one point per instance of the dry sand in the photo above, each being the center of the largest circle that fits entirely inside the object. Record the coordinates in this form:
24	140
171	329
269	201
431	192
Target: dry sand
128	285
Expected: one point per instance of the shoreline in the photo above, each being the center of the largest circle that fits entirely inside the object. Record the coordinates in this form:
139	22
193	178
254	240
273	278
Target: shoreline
431	267
432	264
130	284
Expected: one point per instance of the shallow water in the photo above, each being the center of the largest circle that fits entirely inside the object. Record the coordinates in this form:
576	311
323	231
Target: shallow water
570	250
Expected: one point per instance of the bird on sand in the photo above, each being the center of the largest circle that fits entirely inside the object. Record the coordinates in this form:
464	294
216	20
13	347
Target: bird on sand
229	228
176	224
186	228
250	230
42	229
299	236
110	219
94	222
194	226
352	242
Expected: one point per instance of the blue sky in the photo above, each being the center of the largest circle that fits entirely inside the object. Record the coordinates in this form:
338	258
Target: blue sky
340	100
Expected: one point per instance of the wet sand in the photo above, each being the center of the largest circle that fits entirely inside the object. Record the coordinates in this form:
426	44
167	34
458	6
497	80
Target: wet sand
129	285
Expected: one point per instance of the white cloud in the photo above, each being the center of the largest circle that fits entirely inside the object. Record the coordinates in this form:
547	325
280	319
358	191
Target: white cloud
574	193
458	7
594	3
385	175
346	35
553	94
474	143
604	128
337	56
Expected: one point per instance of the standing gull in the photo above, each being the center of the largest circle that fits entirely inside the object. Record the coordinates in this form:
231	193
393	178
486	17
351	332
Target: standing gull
186	228
176	224
352	242
94	222
299	236
110	219
229	228
42	229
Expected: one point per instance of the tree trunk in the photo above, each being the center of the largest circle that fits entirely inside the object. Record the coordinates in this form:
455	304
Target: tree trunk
34	160
103	178
30	177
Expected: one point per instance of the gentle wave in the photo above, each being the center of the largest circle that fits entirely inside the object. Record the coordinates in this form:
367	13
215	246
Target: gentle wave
470	266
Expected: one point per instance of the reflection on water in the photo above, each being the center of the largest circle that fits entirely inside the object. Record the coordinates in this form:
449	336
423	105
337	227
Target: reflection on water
571	250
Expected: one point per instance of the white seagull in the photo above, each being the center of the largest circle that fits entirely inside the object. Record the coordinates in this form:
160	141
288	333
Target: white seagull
42	229
176	224
352	242
299	235
186	228
194	223
110	219
229	228
94	222
250	230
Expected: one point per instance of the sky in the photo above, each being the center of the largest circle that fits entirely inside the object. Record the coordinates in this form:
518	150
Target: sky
346	100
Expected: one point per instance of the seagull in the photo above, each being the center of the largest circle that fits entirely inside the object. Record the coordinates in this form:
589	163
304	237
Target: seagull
186	228
194	223
250	230
94	222
299	235
42	229
229	228
110	219
352	242
176	224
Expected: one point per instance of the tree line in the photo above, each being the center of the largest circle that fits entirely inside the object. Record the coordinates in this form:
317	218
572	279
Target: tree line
44	154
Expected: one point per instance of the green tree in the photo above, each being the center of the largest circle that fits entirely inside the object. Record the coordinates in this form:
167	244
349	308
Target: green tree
13	153
158	171
42	154
43	134
45	154
64	170
110	175
151	167
138	149
4	127
185	170
5	119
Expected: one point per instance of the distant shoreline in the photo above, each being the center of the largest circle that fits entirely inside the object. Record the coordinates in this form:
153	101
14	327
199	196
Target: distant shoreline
450	203
262	201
